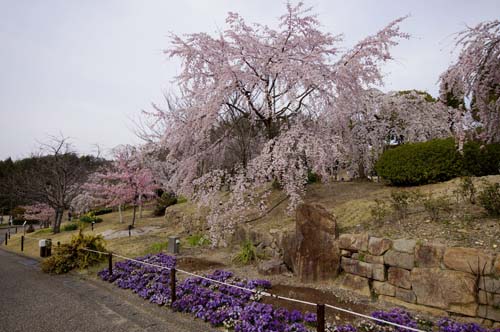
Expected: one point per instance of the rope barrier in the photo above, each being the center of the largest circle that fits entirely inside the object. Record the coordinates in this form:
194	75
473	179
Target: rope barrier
95	251
263	293
31	238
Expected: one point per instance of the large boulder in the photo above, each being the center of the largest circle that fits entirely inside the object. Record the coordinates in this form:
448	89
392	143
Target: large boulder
316	252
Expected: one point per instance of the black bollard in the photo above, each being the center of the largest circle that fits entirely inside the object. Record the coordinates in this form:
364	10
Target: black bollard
6	238
22	242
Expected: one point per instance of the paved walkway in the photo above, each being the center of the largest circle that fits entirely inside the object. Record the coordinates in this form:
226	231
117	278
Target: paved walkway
31	300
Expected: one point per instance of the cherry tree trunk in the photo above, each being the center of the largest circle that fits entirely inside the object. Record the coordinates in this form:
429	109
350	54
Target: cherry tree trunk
120	213
56	226
133	216
140	207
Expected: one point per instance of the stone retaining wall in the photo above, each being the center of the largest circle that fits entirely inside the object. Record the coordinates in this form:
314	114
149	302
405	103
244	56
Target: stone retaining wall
462	281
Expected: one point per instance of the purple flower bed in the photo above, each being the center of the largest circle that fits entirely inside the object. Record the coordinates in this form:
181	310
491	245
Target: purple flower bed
240	309
214	303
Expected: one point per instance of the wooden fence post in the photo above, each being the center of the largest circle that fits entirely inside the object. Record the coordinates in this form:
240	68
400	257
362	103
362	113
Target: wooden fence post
110	265
320	314
173	296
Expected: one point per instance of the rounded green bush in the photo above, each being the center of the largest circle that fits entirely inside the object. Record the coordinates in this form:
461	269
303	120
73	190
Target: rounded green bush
481	160
420	163
167	199
70	227
89	217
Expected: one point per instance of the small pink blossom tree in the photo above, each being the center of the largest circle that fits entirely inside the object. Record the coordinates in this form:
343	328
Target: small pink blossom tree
39	212
125	181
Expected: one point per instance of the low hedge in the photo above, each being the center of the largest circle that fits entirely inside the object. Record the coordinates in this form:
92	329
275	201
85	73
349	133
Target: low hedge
437	160
481	160
100	212
420	163
88	218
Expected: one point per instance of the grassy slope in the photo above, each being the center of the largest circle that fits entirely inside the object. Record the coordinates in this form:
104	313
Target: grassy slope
351	203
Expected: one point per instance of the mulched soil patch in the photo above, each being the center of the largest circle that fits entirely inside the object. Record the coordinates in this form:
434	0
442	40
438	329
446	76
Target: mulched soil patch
197	264
317	296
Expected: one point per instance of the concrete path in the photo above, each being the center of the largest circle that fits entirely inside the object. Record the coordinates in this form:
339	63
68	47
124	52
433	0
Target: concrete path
31	300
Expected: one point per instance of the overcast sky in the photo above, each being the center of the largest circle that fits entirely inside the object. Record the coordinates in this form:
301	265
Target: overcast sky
86	68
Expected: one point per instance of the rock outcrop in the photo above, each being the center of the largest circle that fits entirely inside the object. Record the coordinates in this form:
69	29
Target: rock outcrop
316	254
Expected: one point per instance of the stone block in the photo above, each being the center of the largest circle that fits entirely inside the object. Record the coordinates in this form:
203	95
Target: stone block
469	260
429	255
406	295
356	267
489	312
490	284
364	257
384	288
483	297
441	288
378	272
354	242
374	259
404	245
399	277
489	298
496	266
345	253
399	259
469	309
356	283
378	246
